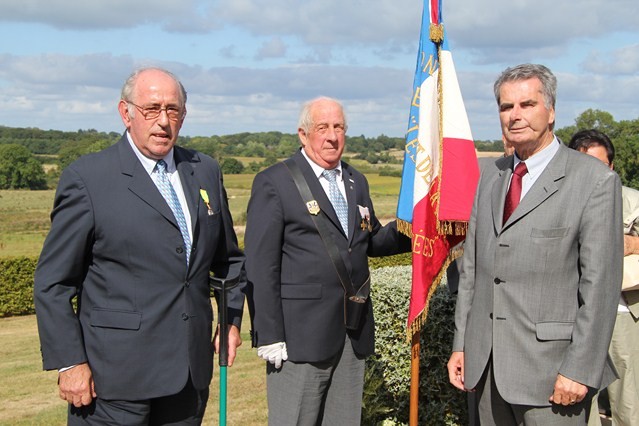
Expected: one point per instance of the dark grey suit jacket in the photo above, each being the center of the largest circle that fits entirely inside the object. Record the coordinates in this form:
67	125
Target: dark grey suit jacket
297	293
144	321
539	294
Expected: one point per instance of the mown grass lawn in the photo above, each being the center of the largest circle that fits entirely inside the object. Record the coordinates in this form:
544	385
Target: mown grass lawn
24	214
29	395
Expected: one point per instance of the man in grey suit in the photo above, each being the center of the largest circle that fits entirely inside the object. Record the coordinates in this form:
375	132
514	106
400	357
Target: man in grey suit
315	368
136	230
541	270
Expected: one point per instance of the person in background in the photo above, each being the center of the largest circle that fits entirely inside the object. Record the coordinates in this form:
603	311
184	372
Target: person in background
537	293
315	364
623	394
136	230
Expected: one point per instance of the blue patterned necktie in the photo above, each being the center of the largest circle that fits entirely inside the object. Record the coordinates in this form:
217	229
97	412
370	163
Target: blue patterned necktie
165	187
337	199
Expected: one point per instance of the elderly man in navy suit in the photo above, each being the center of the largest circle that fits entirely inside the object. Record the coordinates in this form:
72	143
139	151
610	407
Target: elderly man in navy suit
315	368
136	230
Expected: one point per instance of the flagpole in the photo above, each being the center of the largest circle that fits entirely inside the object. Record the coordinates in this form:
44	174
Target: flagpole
414	380
435	198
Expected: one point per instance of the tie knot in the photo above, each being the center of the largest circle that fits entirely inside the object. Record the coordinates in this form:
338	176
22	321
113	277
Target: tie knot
330	175
521	169
161	165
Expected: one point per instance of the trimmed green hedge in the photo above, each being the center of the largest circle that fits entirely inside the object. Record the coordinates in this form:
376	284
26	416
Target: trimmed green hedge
16	286
387	385
16	281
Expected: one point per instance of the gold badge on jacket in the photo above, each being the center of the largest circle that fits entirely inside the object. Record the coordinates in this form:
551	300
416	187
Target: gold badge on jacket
313	207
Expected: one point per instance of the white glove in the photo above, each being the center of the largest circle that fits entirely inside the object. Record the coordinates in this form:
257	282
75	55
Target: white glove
274	353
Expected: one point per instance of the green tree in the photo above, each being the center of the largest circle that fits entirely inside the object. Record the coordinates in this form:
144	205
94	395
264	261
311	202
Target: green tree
19	169
626	143
231	166
596	119
624	136
71	151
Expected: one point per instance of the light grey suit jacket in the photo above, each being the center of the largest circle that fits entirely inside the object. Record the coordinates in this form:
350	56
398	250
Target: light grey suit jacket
540	293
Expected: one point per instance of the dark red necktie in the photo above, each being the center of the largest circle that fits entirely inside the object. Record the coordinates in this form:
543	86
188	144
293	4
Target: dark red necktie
514	192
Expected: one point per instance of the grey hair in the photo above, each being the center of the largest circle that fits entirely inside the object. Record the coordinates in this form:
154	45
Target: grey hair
305	121
129	85
528	71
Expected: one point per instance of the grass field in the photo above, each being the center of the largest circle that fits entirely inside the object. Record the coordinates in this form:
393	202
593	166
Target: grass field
29	395
24	215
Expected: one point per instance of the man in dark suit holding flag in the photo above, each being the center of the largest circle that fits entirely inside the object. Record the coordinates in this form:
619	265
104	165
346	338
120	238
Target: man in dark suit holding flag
315	369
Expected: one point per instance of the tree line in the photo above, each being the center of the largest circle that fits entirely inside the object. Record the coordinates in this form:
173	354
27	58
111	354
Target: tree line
24	150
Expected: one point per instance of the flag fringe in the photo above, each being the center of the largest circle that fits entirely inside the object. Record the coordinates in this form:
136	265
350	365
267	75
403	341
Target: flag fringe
405	228
420	319
447	227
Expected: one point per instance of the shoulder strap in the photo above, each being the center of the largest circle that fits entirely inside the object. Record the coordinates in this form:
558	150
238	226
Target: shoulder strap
321	223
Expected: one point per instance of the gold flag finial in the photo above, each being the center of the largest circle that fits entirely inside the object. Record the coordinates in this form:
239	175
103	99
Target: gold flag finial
436	33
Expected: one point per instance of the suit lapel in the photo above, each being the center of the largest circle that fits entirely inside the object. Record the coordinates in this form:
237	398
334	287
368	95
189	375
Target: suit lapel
318	191
499	189
351	199
543	188
141	183
186	169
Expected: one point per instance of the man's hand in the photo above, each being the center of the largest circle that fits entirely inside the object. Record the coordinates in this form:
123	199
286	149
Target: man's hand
234	342
456	370
630	245
567	391
274	353
76	385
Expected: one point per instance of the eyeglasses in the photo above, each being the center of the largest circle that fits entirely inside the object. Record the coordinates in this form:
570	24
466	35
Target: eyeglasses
153	112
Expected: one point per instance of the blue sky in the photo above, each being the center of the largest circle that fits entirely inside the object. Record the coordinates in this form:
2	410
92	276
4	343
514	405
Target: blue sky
249	64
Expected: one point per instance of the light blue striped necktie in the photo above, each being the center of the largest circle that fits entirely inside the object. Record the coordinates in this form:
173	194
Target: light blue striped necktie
337	199
165	187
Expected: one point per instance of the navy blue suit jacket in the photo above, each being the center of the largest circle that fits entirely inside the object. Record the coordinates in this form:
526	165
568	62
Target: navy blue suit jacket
297	293
144	320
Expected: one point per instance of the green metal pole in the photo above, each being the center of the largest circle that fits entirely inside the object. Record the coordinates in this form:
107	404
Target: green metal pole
223	395
222	285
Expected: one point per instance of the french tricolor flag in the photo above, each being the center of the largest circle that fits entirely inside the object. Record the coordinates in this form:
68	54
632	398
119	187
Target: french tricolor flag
440	171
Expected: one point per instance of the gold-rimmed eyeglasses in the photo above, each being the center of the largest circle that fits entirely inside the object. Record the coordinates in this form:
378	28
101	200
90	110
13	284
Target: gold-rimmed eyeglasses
152	112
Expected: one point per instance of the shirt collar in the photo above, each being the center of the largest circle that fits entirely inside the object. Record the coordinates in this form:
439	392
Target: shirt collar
319	170
537	163
149	163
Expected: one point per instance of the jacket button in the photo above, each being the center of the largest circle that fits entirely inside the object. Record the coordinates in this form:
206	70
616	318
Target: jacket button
179	250
497	281
186	284
185	317
491	315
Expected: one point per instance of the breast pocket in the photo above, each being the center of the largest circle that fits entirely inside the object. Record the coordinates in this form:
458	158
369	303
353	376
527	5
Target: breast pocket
548	233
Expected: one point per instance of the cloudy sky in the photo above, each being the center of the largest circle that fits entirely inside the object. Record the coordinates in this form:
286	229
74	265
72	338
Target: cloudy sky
248	64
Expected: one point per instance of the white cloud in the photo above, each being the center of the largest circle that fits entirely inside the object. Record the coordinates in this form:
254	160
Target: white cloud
618	61
91	15
273	48
249	64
